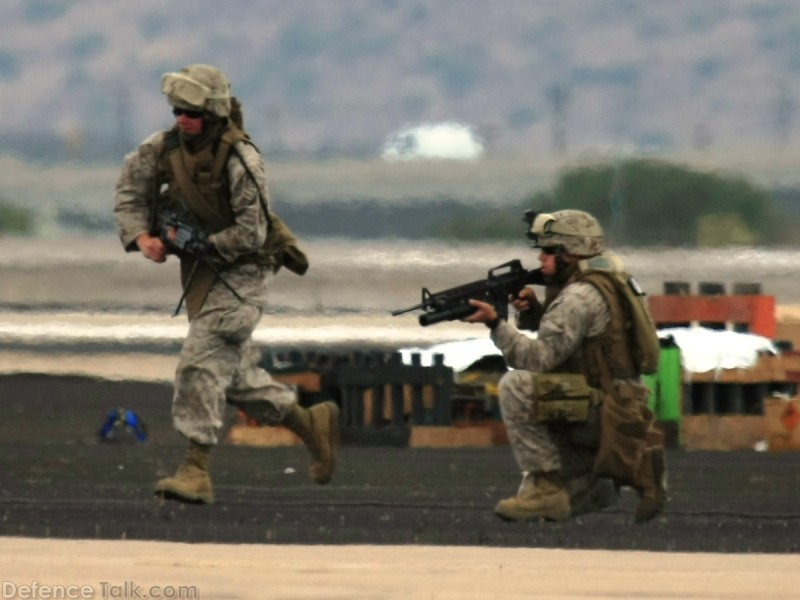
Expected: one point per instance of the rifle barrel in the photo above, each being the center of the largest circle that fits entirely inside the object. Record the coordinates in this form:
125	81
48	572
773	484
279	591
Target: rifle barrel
401	311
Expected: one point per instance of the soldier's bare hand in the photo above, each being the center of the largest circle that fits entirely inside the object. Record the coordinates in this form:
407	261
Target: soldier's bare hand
152	247
524	299
484	314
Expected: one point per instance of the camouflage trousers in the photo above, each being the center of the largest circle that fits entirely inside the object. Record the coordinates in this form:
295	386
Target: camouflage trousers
569	448
219	360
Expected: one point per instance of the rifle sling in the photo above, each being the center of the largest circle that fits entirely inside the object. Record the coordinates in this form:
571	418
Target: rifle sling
197	278
252	177
281	241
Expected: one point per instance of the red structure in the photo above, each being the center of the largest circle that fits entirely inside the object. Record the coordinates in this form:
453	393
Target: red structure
751	313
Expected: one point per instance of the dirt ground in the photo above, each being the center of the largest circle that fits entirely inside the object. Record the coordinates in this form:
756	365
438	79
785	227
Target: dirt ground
395	522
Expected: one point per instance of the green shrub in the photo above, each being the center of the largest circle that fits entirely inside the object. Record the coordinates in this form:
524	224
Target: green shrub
14	219
644	202
651	202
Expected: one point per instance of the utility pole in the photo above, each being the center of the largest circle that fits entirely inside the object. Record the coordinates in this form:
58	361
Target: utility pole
784	114
122	139
559	98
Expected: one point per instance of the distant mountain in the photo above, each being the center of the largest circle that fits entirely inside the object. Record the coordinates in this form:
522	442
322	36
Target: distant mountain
80	78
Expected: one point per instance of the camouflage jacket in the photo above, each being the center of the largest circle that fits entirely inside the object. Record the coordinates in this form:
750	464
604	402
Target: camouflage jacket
138	187
577	313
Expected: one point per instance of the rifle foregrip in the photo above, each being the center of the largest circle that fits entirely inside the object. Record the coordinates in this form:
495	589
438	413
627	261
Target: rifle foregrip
459	311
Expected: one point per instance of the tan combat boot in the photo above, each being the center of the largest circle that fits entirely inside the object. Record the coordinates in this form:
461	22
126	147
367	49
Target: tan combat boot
191	482
318	427
540	496
653	491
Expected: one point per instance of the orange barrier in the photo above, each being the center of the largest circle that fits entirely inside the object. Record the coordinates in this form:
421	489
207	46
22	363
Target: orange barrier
754	313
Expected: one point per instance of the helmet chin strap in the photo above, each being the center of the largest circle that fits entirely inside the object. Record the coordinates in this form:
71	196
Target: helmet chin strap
564	270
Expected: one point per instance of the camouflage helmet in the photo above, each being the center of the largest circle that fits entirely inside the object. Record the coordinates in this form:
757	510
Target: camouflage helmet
198	87
576	231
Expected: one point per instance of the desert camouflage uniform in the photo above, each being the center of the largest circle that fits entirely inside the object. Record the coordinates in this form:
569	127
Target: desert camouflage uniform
578	312
219	359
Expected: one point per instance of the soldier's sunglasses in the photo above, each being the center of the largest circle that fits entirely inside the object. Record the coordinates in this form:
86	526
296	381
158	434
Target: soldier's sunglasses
192	114
549	250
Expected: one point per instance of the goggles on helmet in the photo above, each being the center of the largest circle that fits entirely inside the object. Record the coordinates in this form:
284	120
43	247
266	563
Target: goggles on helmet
546	230
541	225
188	90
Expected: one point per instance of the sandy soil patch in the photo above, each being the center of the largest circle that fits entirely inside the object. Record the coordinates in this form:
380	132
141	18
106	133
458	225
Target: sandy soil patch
262	572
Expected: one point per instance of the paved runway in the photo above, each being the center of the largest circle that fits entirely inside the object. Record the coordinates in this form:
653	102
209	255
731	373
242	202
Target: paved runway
57	481
396	523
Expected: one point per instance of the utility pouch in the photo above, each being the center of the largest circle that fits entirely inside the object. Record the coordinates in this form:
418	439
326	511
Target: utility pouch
281	249
625	423
562	397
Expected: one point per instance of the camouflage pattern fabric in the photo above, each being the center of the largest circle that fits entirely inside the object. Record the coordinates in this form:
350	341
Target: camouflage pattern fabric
198	87
135	189
219	359
577	231
578	312
138	183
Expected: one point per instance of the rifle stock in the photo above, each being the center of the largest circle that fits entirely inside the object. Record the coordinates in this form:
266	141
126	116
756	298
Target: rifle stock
449	305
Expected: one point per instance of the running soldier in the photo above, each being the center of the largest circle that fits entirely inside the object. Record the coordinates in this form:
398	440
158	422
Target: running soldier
199	191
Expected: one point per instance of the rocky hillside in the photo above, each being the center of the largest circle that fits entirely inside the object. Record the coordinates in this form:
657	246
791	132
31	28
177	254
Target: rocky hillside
79	78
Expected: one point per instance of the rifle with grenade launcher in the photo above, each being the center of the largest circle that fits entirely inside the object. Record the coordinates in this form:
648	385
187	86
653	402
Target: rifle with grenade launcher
501	282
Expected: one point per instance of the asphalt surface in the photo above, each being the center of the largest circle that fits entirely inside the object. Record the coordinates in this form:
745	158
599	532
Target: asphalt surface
58	481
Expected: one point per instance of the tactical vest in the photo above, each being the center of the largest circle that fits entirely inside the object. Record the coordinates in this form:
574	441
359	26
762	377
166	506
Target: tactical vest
628	348
198	182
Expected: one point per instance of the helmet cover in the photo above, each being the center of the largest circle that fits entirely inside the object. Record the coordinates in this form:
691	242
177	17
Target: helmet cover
578	232
198	87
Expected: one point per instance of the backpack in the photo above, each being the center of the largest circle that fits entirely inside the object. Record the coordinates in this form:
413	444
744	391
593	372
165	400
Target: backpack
281	245
642	335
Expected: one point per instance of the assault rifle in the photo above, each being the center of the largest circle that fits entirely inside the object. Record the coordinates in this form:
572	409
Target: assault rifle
501	282
191	240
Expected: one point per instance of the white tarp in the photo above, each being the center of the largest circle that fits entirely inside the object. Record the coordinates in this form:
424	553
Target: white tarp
701	349
705	350
458	355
